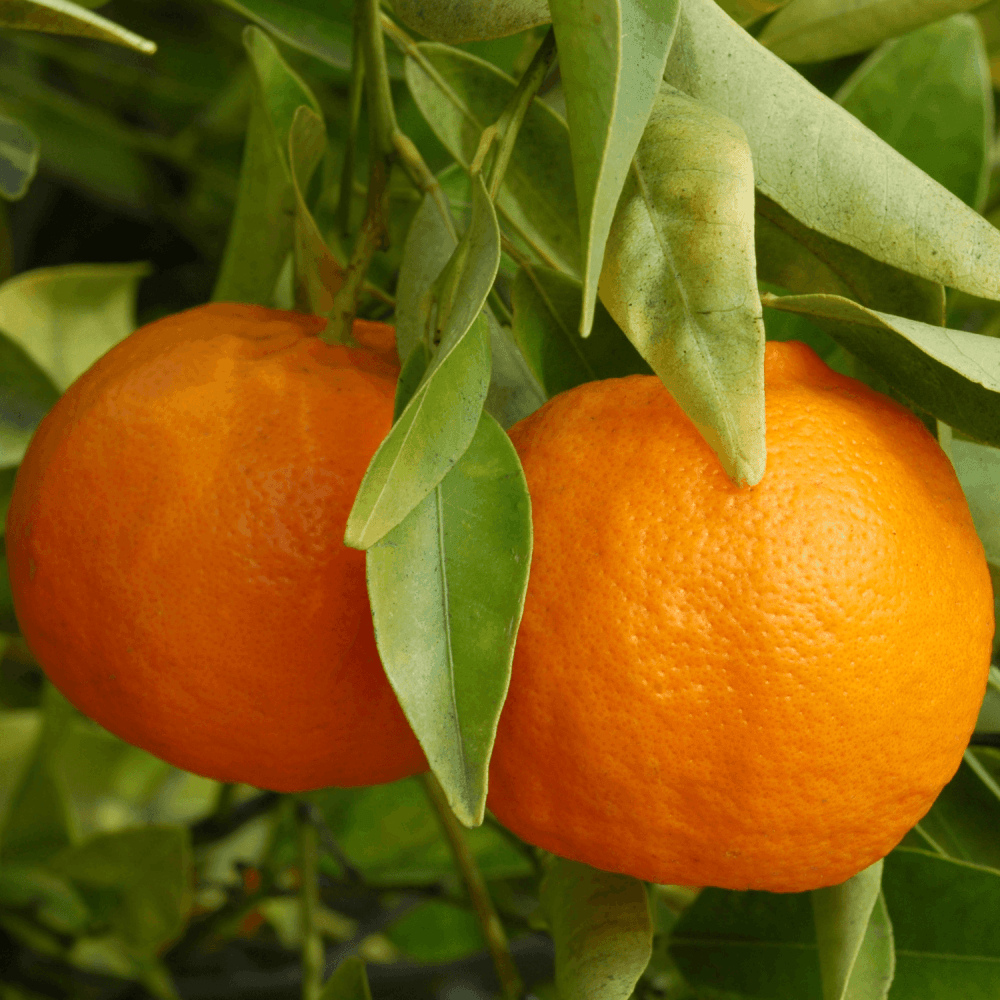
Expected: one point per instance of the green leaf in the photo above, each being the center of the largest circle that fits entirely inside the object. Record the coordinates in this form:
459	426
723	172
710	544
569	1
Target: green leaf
66	317
437	931
602	929
944	916
19	729
680	275
447	589
460	95
805	261
963	821
823	166
814	30
547	310
55	902
473	20
348	982
148	871
440	419
61	17
978	469
321	28
950	373
611	58
262	229
26	395
514	391
745	12
929	95
756	944
317	275
854	938
38	821
18	158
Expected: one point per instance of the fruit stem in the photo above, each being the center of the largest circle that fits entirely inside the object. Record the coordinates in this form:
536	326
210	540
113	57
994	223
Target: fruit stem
493	931
312	944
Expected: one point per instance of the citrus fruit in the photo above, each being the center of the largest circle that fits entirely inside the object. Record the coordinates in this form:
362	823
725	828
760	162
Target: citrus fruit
759	688
175	543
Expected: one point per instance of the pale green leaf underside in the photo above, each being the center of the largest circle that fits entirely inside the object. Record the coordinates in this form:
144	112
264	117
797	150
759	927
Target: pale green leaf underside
447	588
854	938
679	275
66	317
19	152
611	57
61	17
460	95
813	30
446	21
818	162
602	930
978	468
953	374
929	95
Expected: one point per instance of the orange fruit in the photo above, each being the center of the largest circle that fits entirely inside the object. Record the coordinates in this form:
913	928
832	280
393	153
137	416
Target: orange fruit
758	688
175	543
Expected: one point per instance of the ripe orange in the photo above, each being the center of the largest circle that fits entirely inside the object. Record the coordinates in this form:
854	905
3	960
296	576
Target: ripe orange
748	688
175	542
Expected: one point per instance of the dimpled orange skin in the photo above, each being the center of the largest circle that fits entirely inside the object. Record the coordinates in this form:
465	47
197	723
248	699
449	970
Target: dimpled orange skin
175	542
754	689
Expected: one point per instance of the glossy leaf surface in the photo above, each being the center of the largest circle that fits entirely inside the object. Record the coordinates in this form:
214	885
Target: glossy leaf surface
61	17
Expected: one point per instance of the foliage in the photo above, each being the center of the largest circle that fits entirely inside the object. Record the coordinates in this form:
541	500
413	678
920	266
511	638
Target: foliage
522	244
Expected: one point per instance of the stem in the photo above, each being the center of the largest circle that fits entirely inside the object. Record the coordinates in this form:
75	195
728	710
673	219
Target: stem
475	884
312	944
509	123
353	115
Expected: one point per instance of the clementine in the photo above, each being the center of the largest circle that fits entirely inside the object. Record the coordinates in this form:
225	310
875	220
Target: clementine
175	542
758	688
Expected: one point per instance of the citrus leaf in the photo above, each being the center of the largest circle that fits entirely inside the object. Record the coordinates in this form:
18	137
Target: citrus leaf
804	261
547	309
680	277
514	393
602	929
447	588
57	904
317	27
745	12
963	821
265	203
854	938
474	20
60	17
39	821
317	274
756	944
950	373
26	395
437	931
149	870
18	158
944	919
66	317
823	166
978	469
814	30
348	982
929	96
611	58
460	95
440	419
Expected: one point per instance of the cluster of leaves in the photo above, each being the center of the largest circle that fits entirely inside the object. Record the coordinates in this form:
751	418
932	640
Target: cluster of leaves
698	177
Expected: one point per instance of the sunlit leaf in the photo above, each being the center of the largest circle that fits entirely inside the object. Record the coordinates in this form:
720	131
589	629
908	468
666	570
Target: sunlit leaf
471	20
611	59
680	278
348	982
64	18
819	163
813	30
447	587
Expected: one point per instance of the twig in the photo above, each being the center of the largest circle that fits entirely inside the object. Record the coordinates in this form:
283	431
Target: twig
475	884
215	827
353	114
313	957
